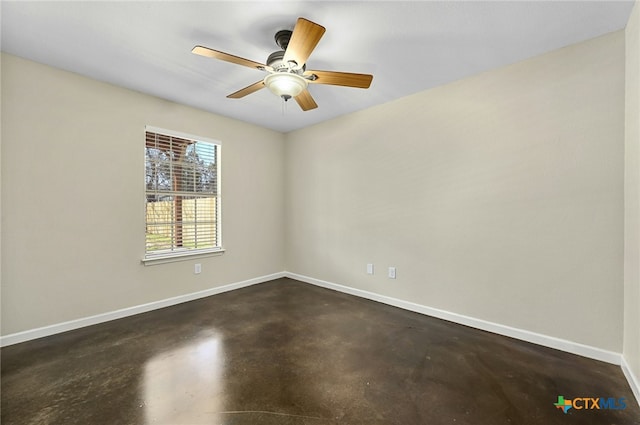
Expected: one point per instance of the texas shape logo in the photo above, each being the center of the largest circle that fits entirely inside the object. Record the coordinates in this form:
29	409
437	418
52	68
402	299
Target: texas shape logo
563	404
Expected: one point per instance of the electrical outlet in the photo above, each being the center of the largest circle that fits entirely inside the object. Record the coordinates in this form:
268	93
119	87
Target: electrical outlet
392	272
369	268
197	268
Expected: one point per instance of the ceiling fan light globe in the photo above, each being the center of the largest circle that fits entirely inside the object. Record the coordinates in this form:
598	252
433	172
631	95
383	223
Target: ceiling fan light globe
285	84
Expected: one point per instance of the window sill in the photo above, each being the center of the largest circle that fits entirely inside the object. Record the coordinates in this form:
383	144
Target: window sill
174	257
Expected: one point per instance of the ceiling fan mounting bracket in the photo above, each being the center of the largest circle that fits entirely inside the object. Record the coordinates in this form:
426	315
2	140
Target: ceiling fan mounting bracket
282	38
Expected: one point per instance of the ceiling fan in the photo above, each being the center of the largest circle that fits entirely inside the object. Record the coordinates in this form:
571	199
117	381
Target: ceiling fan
287	74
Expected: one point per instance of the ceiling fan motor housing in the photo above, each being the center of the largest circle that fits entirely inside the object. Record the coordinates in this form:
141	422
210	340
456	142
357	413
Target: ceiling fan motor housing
275	61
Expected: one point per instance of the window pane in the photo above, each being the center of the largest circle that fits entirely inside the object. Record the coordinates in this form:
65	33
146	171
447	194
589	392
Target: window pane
182	203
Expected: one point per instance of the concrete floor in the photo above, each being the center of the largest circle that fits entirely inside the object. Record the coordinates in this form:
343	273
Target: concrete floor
285	352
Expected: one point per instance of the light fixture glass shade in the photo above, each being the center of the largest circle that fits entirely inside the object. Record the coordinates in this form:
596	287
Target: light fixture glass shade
284	84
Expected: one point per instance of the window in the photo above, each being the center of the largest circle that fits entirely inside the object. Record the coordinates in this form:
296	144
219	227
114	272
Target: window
182	194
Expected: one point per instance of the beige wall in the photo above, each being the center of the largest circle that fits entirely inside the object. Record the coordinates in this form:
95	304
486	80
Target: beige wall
70	143
1	220
631	350
498	197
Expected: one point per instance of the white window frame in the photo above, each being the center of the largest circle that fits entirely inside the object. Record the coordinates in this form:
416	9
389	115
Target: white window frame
186	253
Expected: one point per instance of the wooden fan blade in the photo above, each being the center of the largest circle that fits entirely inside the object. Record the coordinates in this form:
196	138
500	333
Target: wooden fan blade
347	79
210	53
305	101
247	90
304	39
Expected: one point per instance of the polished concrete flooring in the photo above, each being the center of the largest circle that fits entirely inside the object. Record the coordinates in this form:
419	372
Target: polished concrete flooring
286	353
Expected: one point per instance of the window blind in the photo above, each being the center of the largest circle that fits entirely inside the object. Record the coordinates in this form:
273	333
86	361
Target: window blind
182	194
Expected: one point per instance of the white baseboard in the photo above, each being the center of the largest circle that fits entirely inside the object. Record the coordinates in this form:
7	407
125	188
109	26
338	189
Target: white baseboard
539	339
129	311
536	338
634	381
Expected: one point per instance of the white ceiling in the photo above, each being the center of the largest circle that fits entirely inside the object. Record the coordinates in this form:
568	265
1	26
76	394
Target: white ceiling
408	46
